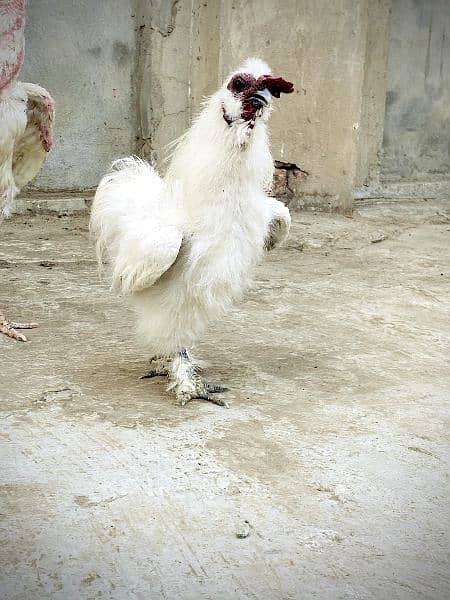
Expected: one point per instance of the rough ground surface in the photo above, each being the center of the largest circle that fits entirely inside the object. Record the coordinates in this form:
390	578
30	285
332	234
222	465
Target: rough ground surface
334	450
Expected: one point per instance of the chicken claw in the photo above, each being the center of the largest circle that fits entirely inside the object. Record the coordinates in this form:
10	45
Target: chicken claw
188	385
203	391
215	389
9	328
184	379
158	367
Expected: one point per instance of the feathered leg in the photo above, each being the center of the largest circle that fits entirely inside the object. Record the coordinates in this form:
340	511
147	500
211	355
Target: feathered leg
9	328
187	383
7	202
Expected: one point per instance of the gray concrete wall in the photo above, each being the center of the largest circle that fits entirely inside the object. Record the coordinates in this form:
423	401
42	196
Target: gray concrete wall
115	77
179	47
84	53
370	131
129	75
417	123
320	45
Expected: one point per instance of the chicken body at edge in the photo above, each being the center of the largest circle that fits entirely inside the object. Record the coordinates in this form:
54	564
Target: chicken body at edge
13	121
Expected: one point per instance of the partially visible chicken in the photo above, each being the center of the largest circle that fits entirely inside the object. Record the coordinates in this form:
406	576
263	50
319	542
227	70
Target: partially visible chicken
26	124
183	248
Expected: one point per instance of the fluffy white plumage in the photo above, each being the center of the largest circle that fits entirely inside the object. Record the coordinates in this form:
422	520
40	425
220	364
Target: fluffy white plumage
26	124
26	111
26	120
183	248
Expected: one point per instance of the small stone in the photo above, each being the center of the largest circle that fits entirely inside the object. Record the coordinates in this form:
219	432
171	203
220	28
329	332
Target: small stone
63	394
243	530
378	239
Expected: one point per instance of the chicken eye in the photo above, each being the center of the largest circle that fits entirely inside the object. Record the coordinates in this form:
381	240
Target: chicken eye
240	84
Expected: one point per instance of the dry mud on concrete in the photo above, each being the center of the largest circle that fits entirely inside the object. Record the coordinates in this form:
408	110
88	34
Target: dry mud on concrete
328	476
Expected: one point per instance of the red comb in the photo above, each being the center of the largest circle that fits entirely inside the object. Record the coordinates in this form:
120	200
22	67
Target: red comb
275	85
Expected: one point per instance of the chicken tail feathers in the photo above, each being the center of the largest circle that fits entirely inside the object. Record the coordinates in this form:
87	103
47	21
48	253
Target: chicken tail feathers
133	222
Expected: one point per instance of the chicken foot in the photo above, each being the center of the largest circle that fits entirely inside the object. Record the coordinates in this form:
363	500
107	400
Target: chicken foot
184	379
188	384
159	367
9	328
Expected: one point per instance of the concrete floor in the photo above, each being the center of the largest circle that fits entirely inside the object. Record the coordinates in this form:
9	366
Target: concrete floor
334	449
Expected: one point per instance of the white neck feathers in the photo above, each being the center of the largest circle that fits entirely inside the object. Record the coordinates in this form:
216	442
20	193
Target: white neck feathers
211	157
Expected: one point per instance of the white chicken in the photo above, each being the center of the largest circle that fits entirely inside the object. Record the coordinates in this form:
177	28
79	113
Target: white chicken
183	248
26	124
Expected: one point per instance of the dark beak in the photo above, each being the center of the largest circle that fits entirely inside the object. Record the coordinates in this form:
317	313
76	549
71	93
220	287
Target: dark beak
261	98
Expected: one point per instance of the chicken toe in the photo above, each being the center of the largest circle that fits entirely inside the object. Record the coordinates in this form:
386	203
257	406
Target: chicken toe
9	328
202	391
188	385
159	367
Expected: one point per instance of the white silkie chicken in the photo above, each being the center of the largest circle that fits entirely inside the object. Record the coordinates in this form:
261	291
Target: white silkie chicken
183	248
26	124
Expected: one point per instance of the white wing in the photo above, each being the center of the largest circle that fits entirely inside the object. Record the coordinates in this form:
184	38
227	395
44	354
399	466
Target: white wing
279	223
134	221
31	148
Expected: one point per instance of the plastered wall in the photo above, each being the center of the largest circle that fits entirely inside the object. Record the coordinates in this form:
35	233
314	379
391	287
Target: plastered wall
371	105
417	123
84	53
